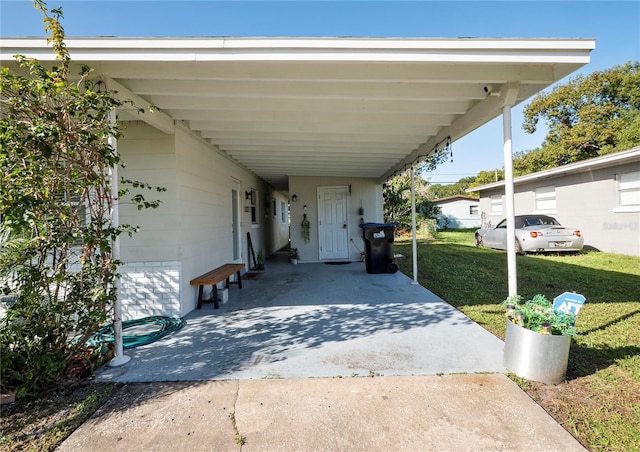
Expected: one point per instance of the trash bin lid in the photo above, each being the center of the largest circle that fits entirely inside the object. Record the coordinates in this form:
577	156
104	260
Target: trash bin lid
379	225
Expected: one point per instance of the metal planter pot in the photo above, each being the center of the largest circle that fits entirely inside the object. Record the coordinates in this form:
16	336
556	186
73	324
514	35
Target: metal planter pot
535	356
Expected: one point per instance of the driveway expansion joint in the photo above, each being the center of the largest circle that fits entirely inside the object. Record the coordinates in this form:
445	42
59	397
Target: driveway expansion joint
240	440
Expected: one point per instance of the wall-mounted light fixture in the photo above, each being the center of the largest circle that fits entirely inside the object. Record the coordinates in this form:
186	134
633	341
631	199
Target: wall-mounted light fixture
305	207
294	198
97	86
248	195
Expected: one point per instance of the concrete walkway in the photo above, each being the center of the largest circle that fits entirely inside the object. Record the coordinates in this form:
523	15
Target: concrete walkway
432	413
321	357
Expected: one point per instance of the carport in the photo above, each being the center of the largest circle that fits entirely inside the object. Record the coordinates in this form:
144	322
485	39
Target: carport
293	108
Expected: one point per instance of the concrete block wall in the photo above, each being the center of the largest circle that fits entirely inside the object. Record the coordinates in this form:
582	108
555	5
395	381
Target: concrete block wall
150	288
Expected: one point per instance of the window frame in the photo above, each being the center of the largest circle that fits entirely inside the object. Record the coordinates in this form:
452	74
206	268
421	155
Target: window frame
254	207
495	202
631	188
545	199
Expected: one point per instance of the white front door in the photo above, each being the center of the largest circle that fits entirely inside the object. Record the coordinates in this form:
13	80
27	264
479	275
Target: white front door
332	218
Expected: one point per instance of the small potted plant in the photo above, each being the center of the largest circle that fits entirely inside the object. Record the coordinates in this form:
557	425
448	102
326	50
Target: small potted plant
293	254
260	261
538	339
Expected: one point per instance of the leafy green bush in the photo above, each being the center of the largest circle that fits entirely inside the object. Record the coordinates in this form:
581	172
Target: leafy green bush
538	315
57	235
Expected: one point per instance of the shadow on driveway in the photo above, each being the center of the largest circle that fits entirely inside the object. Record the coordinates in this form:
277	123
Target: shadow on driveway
316	320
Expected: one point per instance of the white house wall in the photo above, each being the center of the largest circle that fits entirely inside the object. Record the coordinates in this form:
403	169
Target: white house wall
277	223
365	193
190	233
458	214
149	157
584	200
150	283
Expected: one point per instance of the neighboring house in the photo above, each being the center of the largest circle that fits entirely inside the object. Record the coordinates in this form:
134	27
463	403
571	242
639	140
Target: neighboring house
250	135
600	196
458	212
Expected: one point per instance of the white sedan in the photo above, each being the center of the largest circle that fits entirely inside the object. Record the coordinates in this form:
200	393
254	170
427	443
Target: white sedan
534	234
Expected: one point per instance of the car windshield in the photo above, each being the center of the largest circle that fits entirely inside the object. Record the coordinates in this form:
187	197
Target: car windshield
523	222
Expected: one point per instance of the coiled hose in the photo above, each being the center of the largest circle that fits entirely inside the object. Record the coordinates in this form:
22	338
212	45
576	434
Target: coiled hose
167	326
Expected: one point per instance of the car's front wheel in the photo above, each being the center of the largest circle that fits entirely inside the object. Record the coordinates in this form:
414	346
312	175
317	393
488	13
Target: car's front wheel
478	240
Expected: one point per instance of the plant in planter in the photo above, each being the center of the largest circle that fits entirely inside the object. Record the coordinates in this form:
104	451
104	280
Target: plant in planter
260	261
538	339
305	228
293	255
539	315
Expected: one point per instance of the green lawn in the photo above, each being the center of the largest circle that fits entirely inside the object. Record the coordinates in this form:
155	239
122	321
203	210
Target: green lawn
599	402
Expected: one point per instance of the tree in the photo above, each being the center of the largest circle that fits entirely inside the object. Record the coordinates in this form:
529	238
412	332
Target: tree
587	116
396	194
437	191
55	203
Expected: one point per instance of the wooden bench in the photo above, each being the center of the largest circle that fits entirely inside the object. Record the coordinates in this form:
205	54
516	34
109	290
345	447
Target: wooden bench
215	276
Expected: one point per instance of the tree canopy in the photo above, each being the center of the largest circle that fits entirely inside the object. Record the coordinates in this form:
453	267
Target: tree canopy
397	200
588	116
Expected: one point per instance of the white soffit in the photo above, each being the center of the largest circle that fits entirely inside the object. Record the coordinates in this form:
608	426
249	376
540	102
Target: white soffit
353	107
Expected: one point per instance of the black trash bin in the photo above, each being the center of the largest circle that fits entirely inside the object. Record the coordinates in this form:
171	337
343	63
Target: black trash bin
378	244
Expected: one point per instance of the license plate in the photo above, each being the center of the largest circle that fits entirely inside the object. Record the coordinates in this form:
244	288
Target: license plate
558	244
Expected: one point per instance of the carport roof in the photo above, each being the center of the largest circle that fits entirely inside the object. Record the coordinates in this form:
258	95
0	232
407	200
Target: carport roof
358	107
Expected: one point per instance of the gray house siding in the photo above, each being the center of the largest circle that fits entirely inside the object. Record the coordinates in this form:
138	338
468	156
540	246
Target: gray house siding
458	212
586	200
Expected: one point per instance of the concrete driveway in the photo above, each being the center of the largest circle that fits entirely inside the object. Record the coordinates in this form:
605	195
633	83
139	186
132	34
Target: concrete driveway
237	378
317	320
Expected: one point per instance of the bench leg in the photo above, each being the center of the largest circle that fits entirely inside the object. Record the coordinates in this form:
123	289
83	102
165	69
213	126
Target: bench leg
216	304
238	282
200	291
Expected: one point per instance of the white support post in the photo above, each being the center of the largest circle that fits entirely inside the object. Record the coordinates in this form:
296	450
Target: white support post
414	242
120	358
512	277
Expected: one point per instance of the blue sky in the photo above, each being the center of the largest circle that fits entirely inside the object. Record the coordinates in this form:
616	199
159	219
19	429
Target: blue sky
614	24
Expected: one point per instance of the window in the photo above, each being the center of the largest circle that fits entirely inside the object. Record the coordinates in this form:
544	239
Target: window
473	210
254	206
546	199
275	211
283	212
496	204
628	192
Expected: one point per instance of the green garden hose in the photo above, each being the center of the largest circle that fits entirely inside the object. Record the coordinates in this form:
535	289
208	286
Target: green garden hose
167	326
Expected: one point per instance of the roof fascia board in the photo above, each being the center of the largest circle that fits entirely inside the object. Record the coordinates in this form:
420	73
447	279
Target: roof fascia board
449	199
584	165
311	43
297	49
